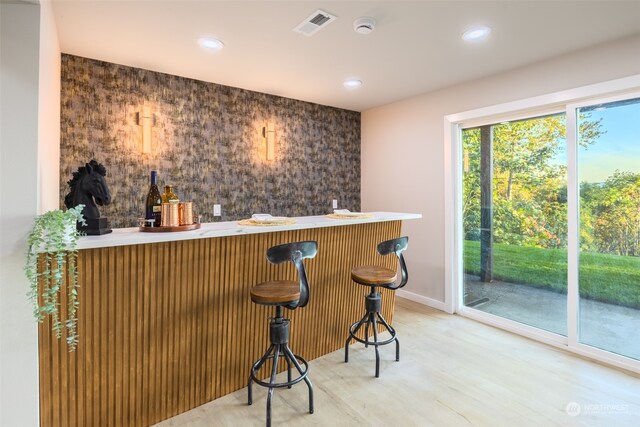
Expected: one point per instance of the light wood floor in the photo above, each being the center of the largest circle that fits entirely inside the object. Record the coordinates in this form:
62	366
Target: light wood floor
452	372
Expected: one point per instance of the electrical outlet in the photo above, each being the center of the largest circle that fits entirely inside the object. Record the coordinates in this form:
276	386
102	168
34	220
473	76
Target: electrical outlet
335	204
217	210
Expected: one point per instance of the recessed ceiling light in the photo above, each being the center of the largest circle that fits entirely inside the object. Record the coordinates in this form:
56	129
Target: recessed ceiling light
476	33
210	43
352	83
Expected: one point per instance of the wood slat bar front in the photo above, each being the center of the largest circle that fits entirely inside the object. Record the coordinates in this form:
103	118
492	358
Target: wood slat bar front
165	327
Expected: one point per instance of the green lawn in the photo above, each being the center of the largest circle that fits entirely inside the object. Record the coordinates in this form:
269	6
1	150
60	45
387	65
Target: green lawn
607	278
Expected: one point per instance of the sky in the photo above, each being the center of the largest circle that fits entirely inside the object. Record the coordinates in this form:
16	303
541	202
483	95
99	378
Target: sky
617	149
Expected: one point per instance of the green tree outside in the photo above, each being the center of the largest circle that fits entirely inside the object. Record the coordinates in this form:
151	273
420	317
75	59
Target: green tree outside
530	191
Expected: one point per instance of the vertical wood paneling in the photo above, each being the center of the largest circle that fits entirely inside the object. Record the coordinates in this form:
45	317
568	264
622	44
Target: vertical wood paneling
124	346
44	341
81	364
120	329
169	326
209	325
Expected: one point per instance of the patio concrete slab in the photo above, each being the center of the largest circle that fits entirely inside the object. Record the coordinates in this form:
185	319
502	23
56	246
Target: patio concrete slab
605	326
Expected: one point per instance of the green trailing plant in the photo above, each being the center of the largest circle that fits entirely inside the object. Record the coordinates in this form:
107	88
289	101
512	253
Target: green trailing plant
52	245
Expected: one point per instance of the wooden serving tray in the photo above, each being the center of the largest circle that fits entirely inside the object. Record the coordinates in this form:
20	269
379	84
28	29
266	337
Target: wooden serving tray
186	227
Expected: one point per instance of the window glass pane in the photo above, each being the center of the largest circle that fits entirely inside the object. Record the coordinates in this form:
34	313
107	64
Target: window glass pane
515	220
609	176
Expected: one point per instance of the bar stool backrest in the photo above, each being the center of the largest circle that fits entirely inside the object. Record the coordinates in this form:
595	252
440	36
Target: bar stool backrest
295	252
396	246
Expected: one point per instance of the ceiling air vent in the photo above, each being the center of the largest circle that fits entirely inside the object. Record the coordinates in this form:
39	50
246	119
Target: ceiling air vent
316	21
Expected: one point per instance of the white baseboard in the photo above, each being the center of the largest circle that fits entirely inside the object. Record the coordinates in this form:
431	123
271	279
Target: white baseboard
421	299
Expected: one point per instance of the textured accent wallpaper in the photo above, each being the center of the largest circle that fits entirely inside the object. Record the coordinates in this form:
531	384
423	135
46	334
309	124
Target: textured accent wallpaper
206	141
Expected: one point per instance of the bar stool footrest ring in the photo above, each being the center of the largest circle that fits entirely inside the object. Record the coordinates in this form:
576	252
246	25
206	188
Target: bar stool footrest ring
366	341
282	384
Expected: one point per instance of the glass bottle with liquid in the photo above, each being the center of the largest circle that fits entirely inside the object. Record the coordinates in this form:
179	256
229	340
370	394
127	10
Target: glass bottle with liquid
153	207
169	196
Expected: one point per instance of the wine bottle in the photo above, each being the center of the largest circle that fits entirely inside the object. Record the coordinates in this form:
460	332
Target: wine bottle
154	201
169	196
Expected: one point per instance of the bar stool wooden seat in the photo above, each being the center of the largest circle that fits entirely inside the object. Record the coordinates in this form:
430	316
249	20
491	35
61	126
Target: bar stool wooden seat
374	277
276	292
289	294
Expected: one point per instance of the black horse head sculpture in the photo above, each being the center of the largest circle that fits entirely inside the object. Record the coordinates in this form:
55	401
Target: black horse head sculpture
88	187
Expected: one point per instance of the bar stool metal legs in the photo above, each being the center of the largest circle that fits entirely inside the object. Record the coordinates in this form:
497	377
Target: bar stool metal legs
279	333
289	294
373	305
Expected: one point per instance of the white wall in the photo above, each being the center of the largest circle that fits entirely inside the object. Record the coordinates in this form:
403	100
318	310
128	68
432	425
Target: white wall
29	141
49	113
403	166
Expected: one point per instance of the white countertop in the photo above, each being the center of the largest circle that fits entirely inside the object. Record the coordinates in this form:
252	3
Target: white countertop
133	236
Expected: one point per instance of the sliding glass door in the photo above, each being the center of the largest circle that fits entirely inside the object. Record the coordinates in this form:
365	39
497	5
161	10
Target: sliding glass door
549	225
514	220
609	206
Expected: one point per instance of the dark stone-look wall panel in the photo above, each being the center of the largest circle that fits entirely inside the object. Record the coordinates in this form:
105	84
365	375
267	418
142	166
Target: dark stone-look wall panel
206	142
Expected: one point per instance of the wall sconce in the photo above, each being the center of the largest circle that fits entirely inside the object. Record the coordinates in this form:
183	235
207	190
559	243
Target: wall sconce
269	135
146	120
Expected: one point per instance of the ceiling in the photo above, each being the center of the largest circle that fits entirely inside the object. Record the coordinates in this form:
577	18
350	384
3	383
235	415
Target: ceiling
415	48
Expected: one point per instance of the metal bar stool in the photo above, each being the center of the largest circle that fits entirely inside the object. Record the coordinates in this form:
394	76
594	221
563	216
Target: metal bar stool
289	294
376	276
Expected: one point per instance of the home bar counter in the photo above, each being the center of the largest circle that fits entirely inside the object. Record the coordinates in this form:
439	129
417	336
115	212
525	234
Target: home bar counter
166	322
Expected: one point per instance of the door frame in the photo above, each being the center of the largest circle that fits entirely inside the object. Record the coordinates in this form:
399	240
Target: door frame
566	101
